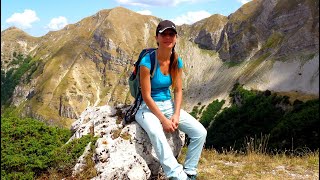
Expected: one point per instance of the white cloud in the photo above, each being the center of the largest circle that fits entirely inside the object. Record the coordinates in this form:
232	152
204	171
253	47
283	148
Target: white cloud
23	20
145	12
146	3
191	17
57	23
244	1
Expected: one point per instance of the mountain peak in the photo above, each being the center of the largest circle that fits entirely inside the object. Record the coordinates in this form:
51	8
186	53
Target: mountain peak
119	8
15	31
246	11
116	11
12	28
122	12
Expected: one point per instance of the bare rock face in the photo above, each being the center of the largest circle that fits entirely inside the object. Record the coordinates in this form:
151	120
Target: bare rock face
279	27
123	151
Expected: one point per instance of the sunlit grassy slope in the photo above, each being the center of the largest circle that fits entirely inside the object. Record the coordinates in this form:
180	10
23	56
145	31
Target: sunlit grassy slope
252	166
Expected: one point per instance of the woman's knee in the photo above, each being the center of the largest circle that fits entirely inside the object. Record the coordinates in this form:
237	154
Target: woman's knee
203	133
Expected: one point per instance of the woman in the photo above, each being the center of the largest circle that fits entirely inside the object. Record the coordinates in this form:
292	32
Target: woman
159	113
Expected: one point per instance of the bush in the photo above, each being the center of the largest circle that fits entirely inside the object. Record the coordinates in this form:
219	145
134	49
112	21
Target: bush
253	113
26	146
29	148
212	109
298	128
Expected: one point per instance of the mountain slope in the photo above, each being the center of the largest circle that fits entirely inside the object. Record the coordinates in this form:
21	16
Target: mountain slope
88	63
85	64
279	27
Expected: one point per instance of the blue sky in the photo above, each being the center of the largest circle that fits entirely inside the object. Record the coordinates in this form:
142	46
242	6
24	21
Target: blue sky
38	17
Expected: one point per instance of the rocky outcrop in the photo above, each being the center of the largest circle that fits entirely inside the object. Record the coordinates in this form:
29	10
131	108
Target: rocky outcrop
205	33
122	151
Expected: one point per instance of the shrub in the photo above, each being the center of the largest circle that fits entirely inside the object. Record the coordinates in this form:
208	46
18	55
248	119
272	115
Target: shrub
26	145
299	128
253	113
212	109
29	149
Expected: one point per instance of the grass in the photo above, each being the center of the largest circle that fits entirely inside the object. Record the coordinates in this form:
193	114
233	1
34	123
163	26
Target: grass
228	165
254	64
244	13
89	171
274	40
255	165
298	96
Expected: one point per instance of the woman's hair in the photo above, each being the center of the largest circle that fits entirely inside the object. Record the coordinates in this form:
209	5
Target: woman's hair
173	67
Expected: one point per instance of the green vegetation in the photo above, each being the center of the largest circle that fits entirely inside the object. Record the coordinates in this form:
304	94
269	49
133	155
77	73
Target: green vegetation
30	148
65	157
232	64
298	128
275	39
287	126
14	76
195	111
210	112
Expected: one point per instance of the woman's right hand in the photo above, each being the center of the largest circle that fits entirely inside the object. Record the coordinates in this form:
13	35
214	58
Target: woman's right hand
168	126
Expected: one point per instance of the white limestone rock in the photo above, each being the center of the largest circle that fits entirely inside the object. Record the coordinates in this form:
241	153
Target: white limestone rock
123	151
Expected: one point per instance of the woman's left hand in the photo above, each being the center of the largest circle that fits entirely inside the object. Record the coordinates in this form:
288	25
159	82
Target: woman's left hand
175	119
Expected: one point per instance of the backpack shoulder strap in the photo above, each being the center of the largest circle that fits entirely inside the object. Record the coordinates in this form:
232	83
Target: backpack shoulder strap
153	62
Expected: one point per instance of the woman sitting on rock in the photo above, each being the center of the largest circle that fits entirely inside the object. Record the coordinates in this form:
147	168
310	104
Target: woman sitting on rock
160	113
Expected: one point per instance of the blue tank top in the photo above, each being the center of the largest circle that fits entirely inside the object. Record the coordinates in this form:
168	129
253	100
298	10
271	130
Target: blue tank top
160	83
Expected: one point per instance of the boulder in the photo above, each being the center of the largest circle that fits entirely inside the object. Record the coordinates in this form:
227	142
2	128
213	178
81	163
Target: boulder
122	151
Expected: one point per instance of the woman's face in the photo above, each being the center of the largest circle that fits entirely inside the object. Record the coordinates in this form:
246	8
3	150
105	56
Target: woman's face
167	39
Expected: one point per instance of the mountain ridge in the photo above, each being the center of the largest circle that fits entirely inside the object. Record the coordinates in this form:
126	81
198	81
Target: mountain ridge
87	63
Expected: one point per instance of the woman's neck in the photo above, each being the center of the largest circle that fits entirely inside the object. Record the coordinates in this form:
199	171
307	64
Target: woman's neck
163	54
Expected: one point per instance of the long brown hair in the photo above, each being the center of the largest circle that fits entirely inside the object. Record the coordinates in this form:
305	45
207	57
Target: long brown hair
173	67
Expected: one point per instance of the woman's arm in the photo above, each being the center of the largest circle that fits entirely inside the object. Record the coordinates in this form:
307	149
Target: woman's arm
145	84
177	99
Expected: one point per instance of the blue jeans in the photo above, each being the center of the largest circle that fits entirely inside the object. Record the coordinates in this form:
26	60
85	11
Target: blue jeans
187	124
